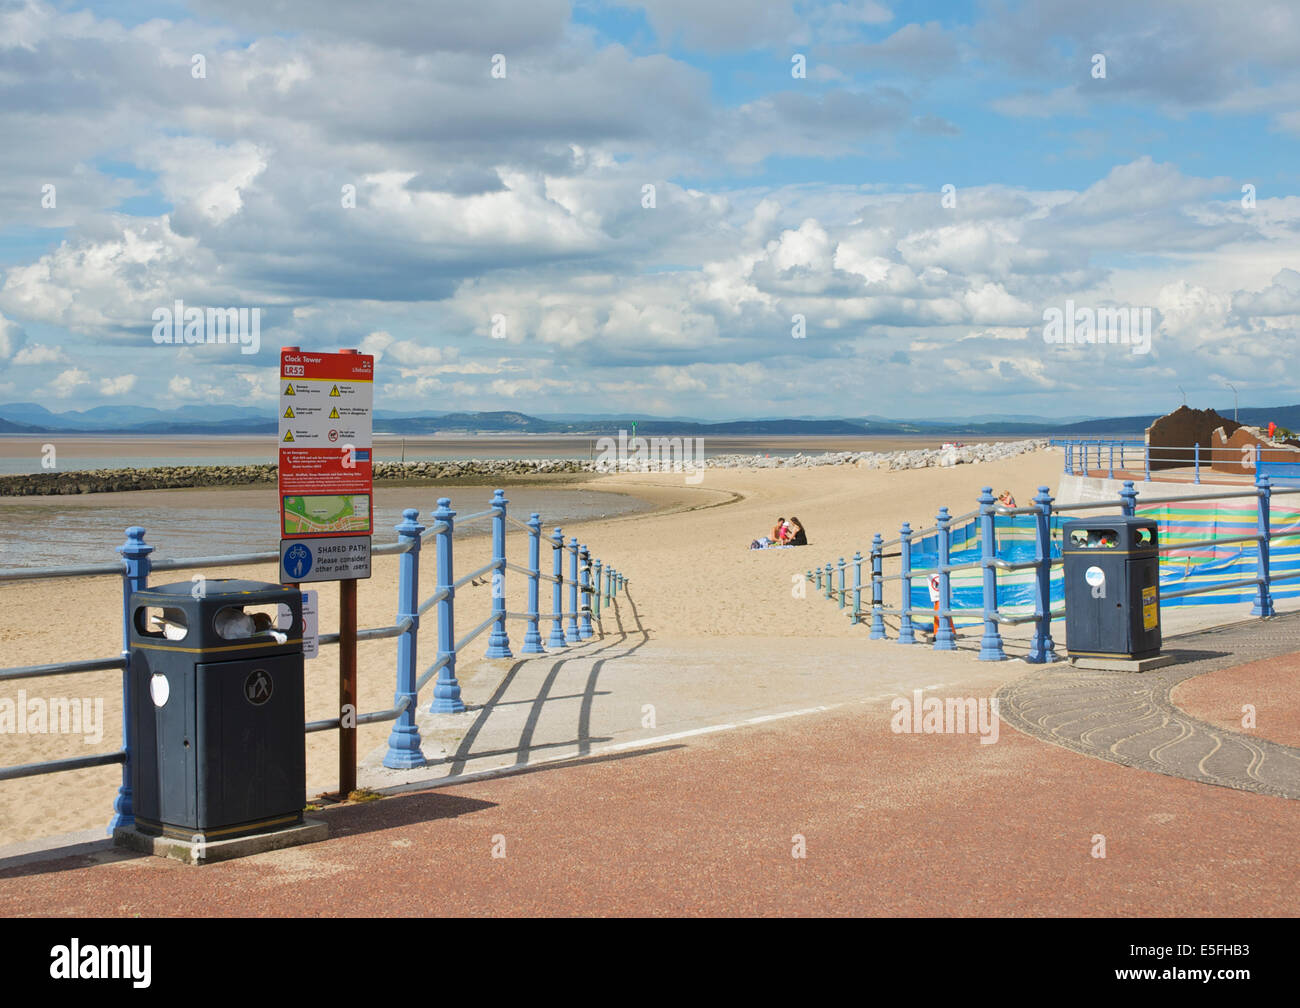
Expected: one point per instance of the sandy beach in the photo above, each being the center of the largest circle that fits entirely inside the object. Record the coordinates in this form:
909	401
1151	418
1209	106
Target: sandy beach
692	575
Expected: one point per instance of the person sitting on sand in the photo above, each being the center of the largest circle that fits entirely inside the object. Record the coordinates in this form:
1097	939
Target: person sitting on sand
800	537
1006	500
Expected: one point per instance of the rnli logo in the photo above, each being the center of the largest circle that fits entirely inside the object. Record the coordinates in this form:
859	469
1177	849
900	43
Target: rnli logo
257	687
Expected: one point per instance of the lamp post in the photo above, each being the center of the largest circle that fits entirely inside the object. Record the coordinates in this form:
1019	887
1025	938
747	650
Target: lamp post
1234	400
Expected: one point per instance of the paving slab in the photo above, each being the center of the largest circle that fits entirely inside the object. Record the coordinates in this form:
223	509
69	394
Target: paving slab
1131	719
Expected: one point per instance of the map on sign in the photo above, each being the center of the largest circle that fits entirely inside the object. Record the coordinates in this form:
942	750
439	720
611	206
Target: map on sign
344	514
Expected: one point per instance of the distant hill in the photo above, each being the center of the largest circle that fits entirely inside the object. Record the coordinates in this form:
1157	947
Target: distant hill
217	420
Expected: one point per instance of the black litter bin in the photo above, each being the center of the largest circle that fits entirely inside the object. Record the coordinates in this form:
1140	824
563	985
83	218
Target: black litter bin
217	701
1112	587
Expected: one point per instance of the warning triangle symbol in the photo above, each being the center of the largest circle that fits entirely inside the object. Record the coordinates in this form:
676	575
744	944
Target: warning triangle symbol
288	435
334	392
288	390
334	414
288	413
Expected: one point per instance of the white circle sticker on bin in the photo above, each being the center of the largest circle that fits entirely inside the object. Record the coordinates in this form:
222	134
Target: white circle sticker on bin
160	689
1095	576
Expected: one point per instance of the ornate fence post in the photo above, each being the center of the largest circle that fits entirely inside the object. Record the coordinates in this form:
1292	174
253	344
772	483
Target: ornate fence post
991	643
877	588
1197	448
1041	647
944	638
1127	497
905	633
597	590
1110	461
584	629
857	587
1263	599
557	615
446	690
1146	459
498	641
843	600
404	740
571	627
135	577
533	636
830	585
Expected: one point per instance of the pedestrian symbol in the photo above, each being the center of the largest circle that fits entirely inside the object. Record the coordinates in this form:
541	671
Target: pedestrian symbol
297	561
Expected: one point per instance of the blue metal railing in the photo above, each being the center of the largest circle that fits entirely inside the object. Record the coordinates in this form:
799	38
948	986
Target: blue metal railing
1084	456
591	582
1044	509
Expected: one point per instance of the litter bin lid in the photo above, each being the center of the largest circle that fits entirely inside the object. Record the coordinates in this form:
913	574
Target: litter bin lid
214	588
1110	534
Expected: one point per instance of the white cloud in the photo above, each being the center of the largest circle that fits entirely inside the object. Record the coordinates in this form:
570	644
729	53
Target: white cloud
117	386
68	383
39	353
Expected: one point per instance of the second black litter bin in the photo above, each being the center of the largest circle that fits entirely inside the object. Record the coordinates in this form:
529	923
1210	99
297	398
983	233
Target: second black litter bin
217	702
1112	587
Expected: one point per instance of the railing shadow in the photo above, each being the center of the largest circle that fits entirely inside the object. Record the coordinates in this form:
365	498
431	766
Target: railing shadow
612	649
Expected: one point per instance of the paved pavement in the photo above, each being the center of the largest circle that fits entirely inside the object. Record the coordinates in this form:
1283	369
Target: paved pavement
771	780
1130	719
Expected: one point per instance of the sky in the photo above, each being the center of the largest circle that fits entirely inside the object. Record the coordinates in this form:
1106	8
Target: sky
709	208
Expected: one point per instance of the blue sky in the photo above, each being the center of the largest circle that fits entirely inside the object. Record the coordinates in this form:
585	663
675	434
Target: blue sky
521	198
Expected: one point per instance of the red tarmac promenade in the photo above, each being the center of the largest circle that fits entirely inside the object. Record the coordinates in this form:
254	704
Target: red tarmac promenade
893	824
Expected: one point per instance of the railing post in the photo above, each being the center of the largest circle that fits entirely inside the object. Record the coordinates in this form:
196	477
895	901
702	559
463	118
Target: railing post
1042	647
1264	598
1110	461
1146	461
830	585
404	749
609	585
991	642
877	588
1198	461
596	593
584	629
1128	500
135	578
905	632
571	627
498	641
857	587
944	637
557	614
533	636
843	599
446	690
